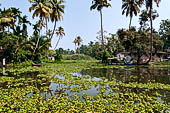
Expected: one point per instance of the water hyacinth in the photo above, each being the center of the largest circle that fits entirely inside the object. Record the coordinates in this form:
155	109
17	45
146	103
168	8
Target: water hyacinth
61	87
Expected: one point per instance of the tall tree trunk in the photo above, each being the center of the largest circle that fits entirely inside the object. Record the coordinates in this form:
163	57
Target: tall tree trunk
130	22
75	47
57	42
46	27
101	18
53	29
151	35
104	54
38	36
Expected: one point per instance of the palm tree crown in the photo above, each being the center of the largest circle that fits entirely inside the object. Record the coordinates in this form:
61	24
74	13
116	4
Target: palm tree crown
57	12
60	33
130	7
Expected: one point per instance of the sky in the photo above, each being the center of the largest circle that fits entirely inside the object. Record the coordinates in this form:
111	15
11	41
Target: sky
80	21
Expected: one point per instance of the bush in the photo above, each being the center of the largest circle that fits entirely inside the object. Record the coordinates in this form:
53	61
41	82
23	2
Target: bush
58	57
103	56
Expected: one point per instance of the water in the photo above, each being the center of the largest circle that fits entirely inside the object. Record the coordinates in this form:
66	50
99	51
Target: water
138	74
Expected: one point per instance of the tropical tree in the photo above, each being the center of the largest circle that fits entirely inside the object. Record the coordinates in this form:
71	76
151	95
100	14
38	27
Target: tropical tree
78	40
149	7
7	19
24	22
130	7
41	10
42	48
60	33
57	12
75	43
164	32
144	18
99	5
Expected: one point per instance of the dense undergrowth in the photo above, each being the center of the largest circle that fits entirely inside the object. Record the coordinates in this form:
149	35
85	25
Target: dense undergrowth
26	89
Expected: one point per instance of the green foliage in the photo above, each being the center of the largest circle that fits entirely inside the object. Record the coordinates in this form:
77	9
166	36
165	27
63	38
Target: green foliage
164	31
77	57
57	57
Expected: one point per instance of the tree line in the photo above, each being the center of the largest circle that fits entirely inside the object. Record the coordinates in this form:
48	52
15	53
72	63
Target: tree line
16	45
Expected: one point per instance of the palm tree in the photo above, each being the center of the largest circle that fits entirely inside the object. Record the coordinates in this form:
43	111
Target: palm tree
78	40
144	18
75	42
49	33
149	7
41	49
57	12
42	11
99	5
7	19
60	33
130	7
23	20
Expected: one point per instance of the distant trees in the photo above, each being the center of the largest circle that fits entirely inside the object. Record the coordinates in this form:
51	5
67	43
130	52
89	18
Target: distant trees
77	41
18	46
164	32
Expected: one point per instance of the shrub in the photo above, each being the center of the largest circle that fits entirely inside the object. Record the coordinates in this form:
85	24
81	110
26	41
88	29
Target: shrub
58	57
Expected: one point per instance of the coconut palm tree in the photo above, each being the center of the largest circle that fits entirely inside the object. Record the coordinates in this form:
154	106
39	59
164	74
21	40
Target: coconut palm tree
49	33
149	7
41	10
99	5
130	7
75	43
78	40
6	19
57	12
144	18
60	33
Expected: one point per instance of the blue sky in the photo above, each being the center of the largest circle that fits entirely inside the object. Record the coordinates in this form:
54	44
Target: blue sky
80	21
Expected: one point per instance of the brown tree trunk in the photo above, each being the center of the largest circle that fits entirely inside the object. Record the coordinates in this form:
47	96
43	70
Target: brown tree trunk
57	42
46	27
130	22
38	36
151	35
101	17
104	54
53	29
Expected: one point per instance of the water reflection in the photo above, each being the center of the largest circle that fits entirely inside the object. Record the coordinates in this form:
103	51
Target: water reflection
140	75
